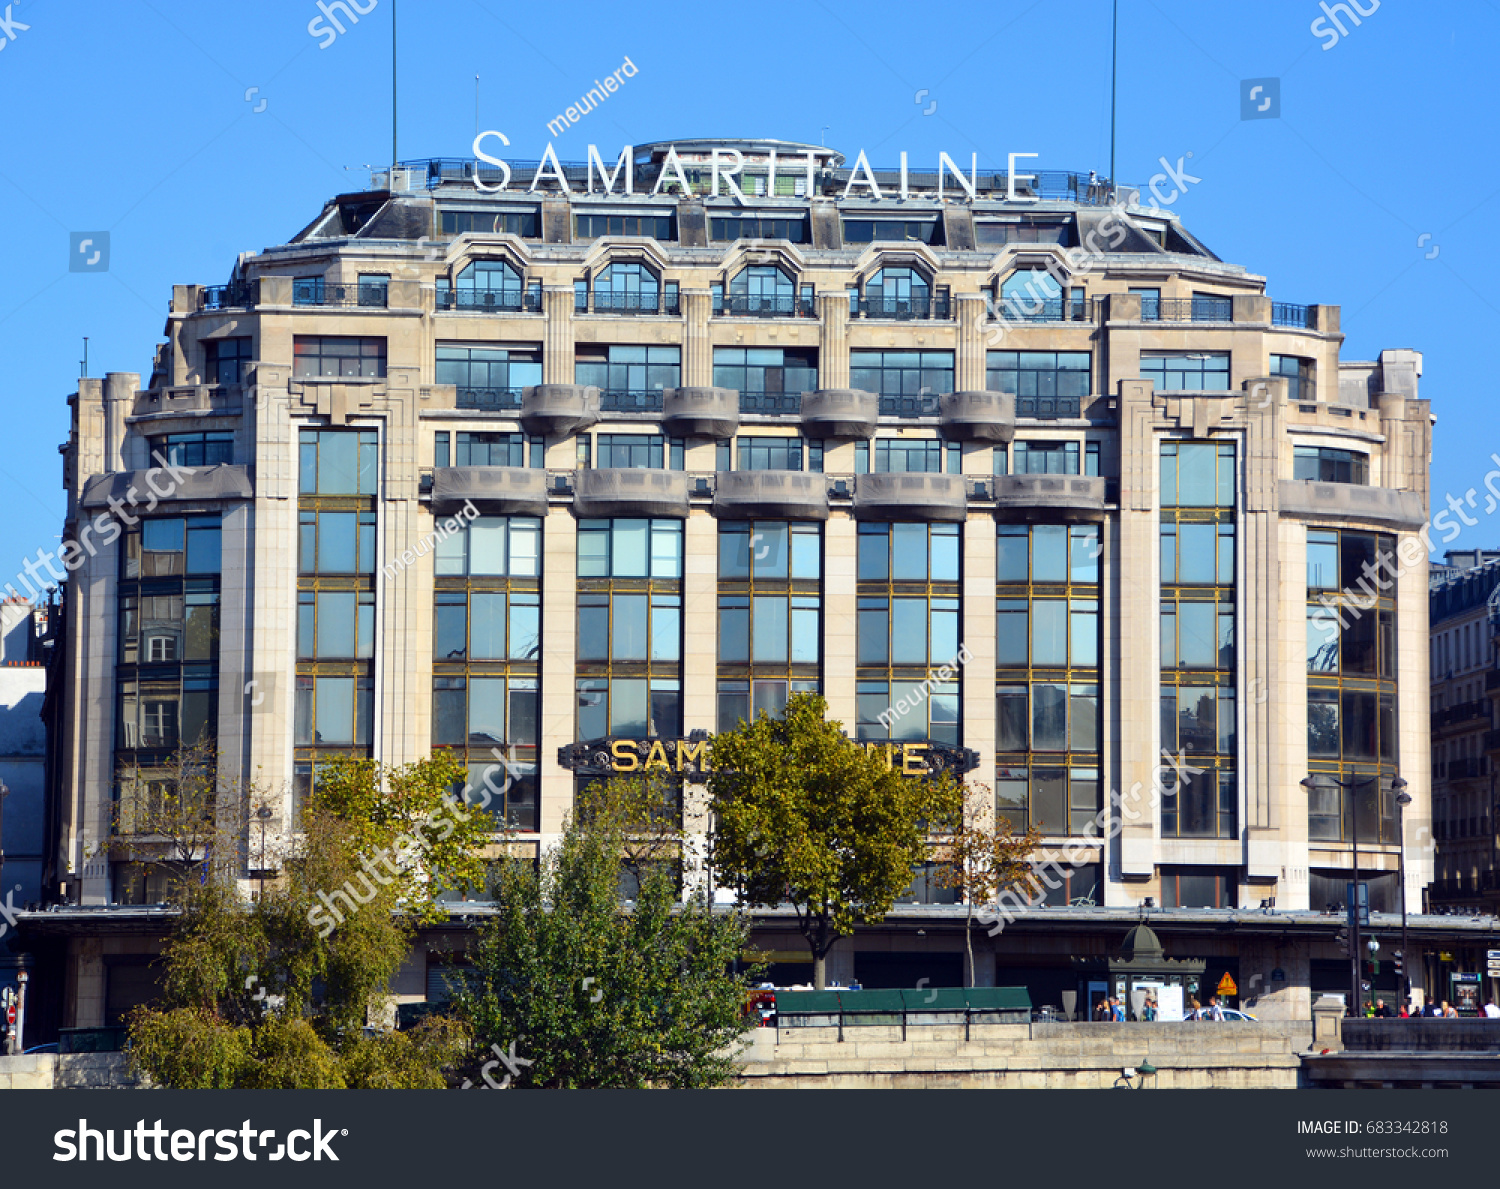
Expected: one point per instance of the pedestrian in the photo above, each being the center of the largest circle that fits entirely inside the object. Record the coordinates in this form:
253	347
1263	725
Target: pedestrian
1118	1011
1490	1010
1194	1007
1102	1012
1215	1012
1148	1012
1382	1011
1449	1011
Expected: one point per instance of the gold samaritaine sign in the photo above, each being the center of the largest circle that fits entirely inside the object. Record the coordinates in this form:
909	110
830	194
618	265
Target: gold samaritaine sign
604	757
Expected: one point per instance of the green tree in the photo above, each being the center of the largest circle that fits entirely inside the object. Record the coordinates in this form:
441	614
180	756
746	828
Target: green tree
579	990
980	856
278	992
806	816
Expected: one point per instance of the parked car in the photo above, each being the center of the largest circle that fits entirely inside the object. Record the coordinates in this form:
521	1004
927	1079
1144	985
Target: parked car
1227	1013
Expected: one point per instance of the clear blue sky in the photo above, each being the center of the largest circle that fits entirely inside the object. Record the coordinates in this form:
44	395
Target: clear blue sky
132	116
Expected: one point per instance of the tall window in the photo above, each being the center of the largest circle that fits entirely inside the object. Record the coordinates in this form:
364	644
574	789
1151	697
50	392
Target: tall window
1299	376
645	451
770	605
907	628
1047	599
630	288
1198	639
1050	458
347	357
768	379
225	360
1185	371
488	377
335	680
632	377
483	285
1326	465
1351	683
761	289
909	382
486	657
489	450
1045	383
1031	295
629	675
900	293
773	454
909	456
168	672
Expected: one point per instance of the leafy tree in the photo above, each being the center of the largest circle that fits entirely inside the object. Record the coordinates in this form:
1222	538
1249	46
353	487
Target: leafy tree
646	811
279	992
981	859
179	818
806	816
585	992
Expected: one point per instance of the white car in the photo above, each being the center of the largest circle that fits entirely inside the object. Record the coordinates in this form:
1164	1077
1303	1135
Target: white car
1227	1013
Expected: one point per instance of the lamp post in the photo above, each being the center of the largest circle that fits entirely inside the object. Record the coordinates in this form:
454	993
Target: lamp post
1397	784
1403	799
264	815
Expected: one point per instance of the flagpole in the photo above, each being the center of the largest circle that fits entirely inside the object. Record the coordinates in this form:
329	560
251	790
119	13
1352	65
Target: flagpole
1114	91
394	156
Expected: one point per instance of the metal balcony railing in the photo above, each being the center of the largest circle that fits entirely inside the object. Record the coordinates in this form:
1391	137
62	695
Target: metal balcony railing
1187	309
1463	712
316	292
1049	406
750	305
238	295
489	300
631	400
489	398
924	405
605	302
1285	314
903	309
770	402
1054	309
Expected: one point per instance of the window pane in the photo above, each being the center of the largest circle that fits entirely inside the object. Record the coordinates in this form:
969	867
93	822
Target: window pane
630	548
1049	632
1196	553
1084	633
909	631
487	548
770	628
666	629
1084	716
336	542
628	628
487	629
627	707
525	628
486	710
335	710
1012	553
336	624
1049	553
1011	714
909	551
1049	717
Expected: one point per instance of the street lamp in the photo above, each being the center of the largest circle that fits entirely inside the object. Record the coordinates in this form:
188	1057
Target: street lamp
1403	799
264	814
1398	785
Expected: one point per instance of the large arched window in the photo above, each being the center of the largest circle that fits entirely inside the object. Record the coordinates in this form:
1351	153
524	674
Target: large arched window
1031	295
897	293
761	289
626	288
483	285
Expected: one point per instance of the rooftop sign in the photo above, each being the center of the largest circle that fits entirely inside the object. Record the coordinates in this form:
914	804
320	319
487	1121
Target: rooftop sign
728	164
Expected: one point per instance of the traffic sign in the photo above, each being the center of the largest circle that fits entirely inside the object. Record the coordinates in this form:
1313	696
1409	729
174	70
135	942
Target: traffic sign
10	1015
1226	985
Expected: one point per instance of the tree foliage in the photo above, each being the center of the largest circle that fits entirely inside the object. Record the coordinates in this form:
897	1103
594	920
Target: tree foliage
587	992
260	994
804	815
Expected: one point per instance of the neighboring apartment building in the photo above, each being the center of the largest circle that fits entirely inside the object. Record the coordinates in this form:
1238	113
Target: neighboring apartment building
722	449
1465	679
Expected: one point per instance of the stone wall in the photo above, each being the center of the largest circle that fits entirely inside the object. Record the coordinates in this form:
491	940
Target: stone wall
1028	1056
67	1071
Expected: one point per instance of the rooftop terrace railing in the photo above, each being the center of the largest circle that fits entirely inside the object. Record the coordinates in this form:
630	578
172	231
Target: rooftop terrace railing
236	295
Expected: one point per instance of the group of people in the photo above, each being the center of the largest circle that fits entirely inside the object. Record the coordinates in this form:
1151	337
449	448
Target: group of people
1432	1009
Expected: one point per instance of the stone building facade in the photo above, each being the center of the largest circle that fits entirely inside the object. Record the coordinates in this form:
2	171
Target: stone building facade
829	430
